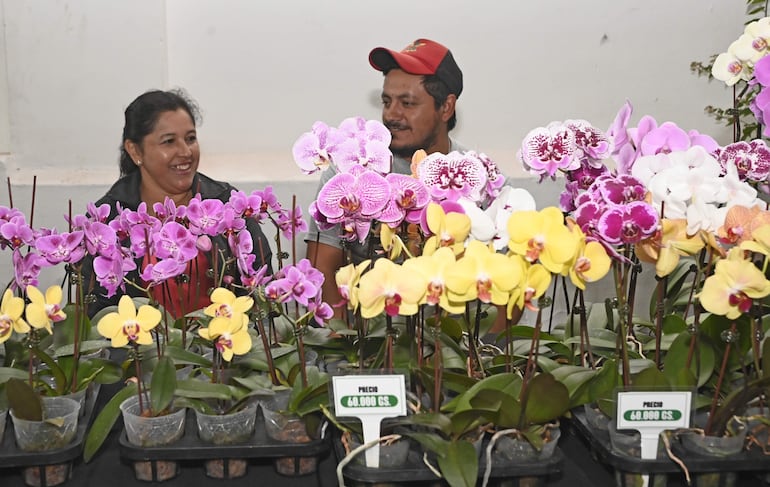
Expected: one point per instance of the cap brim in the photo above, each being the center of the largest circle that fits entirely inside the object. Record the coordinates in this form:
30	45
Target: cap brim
383	59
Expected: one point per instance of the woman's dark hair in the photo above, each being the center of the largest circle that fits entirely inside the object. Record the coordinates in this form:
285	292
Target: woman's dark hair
142	115
439	91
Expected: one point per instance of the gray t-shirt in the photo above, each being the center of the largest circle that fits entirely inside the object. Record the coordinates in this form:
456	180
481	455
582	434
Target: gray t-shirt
359	252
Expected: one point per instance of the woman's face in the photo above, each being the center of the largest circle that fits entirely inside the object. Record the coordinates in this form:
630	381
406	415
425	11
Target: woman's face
168	156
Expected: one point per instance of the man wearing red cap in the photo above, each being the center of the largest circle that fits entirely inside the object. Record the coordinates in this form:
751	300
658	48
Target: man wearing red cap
421	86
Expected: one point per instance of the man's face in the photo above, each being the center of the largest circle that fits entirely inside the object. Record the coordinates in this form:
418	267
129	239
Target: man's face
410	114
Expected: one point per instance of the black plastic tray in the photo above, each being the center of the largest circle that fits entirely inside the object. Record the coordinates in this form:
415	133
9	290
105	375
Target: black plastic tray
12	456
415	471
191	447
751	460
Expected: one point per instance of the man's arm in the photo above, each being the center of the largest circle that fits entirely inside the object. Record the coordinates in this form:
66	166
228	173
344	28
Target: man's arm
327	259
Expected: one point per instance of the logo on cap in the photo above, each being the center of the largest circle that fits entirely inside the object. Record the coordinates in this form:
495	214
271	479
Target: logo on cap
413	46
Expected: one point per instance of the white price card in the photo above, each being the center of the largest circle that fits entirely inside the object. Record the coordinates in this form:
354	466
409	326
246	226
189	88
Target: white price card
651	412
370	398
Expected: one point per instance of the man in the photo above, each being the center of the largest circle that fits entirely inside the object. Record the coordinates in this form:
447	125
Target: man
420	90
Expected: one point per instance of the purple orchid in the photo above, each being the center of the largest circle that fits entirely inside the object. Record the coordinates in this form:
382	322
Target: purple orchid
61	247
320	219
453	176
176	242
26	268
546	150
666	138
245	205
293	285
621	189
205	216
495	177
627	224
408	197
371	154
16	233
100	239
157	273
752	159
360	194
168	211
592	142
230	223
291	222
109	272
322	312
311	150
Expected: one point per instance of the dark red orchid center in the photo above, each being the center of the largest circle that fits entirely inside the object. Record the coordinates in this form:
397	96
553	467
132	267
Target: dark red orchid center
741	301
392	304
223	343
131	330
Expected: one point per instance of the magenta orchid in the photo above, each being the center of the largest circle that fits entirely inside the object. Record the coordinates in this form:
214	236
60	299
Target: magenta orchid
453	176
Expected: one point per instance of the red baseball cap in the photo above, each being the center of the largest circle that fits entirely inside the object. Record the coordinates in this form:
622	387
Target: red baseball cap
424	57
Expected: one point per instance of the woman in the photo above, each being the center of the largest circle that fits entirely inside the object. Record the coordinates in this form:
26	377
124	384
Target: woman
159	159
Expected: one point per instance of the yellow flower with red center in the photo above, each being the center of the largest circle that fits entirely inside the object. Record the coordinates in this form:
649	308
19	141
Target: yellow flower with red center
734	286
760	242
669	244
233	341
536	280
129	325
591	261
391	288
541	236
11	309
347	282
43	311
481	273
448	229
433	268
226	307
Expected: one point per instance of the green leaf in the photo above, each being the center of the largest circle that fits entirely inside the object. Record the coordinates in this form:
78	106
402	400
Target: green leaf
7	373
460	465
163	384
185	357
199	389
702	362
56	372
23	400
104	422
546	399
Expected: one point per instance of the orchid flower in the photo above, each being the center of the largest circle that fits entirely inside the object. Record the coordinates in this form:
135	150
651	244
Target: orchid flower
434	268
481	273
734	286
347	279
229	338
590	262
225	308
666	246
541	236
536	280
390	288
546	150
453	176
311	150
11	309
129	324
43	311
447	229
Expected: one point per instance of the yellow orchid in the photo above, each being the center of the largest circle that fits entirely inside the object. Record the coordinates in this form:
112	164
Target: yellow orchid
669	244
482	274
43	311
433	268
234	341
542	236
11	309
736	282
129	325
391	288
391	242
448	229
226	307
347	282
590	262
760	242
535	284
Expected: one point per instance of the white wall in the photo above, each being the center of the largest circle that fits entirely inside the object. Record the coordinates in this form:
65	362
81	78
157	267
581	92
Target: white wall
264	71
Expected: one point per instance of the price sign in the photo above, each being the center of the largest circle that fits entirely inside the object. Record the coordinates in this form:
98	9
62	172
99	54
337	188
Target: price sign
370	398
651	412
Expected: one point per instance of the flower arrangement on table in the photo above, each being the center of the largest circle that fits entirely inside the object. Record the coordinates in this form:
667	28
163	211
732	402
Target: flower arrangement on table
450	245
680	202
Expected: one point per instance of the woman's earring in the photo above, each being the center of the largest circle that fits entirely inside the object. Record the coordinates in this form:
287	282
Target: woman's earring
138	163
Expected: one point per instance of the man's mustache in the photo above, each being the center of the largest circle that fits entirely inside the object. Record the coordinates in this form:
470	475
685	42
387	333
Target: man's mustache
396	126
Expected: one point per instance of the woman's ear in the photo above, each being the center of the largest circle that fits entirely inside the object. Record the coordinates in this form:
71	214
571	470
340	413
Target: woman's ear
134	151
448	107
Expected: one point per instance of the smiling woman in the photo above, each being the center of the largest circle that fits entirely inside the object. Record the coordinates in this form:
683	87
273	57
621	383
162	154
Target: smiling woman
159	173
